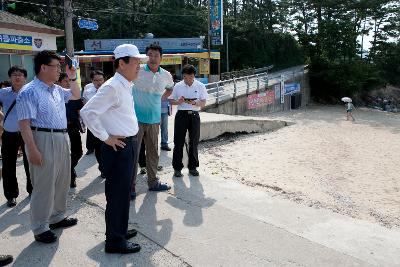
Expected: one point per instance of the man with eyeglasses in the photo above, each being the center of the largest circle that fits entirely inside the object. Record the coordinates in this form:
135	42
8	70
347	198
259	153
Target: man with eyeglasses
11	137
43	123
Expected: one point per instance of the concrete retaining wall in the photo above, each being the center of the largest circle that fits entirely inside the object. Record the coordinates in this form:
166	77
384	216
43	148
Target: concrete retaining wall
213	129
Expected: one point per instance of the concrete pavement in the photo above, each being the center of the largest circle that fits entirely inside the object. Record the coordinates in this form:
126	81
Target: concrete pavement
204	221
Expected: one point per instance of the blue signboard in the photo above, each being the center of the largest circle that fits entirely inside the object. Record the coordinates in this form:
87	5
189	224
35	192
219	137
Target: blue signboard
166	43
17	42
292	88
216	22
88	24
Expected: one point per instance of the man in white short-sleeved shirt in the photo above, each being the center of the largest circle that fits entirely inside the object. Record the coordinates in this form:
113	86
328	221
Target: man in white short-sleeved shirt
190	95
93	144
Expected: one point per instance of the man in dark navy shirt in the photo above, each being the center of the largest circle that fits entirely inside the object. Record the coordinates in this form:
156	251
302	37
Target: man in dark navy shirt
73	125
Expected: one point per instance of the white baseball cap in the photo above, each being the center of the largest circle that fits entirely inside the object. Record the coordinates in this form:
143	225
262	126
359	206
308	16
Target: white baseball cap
128	50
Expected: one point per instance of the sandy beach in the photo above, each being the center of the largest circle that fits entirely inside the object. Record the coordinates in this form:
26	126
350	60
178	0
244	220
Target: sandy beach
320	160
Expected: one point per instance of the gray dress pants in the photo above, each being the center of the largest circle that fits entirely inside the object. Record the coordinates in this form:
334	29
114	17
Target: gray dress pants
51	180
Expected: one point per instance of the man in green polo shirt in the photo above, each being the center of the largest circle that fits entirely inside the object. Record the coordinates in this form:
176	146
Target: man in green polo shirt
152	85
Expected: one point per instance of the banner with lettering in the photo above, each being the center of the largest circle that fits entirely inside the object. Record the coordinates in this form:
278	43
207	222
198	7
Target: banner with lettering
216	22
261	99
17	42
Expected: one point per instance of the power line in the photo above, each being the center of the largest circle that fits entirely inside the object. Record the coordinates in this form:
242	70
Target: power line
30	3
134	13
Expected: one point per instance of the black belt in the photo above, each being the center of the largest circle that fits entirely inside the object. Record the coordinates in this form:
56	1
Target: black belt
129	138
49	130
188	111
7	132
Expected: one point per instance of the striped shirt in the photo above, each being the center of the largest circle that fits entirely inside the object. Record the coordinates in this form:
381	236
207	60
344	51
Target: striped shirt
43	105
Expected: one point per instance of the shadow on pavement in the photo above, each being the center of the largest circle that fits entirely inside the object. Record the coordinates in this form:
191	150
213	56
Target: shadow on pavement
190	199
15	216
37	254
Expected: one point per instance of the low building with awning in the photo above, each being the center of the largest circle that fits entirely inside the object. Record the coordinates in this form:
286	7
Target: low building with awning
21	39
177	52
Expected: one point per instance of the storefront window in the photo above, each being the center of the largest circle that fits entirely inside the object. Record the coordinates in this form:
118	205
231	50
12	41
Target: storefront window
16	60
28	65
4	66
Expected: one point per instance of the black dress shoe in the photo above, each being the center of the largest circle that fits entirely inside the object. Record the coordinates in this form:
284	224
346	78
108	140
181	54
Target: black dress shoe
67	222
194	172
178	173
128	248
5	259
12	202
166	148
130	233
46	237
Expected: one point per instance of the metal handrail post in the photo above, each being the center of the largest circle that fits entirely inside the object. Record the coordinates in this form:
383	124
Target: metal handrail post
258	83
234	88
217	94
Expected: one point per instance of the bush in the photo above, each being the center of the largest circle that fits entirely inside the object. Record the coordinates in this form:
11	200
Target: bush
330	81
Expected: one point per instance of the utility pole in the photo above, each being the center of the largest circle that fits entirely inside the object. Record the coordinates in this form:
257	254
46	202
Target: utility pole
209	39
120	19
227	51
69	35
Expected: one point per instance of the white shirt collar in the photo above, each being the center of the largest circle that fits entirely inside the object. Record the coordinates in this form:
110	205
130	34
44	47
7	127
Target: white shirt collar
127	84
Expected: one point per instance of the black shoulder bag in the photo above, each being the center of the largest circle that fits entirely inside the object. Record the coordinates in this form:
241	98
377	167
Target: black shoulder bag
9	110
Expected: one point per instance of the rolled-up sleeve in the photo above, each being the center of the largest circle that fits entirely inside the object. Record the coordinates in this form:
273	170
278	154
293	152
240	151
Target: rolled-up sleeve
203	92
104	99
66	93
26	105
170	82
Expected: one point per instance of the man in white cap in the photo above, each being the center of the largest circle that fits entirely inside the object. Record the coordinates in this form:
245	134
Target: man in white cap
110	115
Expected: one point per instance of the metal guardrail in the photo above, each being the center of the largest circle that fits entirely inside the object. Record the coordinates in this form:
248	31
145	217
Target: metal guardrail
230	89
245	72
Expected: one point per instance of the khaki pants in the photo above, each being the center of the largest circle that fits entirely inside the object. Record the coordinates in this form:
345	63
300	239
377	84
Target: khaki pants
149	133
50	181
